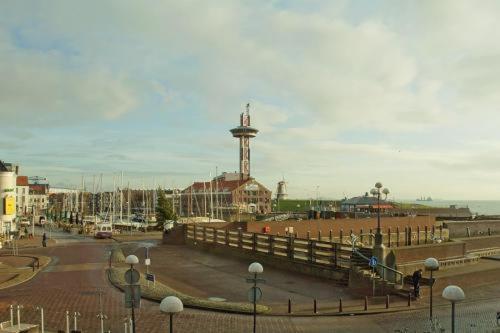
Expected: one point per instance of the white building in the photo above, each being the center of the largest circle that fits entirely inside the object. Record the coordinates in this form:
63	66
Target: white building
7	200
23	195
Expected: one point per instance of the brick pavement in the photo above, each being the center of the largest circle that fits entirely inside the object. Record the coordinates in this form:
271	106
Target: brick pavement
73	287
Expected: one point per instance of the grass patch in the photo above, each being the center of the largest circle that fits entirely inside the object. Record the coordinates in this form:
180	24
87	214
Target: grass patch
160	291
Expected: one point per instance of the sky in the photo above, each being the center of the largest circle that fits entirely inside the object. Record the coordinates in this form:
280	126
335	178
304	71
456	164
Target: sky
344	94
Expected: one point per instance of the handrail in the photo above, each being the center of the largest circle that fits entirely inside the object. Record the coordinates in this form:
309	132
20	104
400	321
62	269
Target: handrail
384	267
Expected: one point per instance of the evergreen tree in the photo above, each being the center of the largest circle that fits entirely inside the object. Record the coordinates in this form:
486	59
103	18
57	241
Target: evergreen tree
164	209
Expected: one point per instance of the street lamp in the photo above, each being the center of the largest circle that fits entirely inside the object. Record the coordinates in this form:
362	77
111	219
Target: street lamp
171	305
453	294
431	264
378	247
255	292
132	260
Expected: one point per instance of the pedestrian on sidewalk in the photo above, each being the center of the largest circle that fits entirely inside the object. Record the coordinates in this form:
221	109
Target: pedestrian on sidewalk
44	240
417	276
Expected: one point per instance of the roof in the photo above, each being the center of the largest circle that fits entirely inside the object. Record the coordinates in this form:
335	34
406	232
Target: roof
224	185
221	185
22	181
364	200
3	167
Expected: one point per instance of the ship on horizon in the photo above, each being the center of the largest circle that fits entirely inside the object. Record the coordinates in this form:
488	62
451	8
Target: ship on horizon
424	199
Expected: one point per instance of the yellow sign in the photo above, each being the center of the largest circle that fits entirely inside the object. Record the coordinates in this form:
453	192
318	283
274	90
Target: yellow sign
9	207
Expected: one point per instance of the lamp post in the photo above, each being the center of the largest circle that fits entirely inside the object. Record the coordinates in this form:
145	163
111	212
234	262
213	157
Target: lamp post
453	294
378	247
431	264
171	305
255	292
132	260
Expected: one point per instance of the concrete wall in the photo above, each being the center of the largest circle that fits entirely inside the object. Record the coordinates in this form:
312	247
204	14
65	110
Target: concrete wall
458	229
339	275
478	243
441	251
345	224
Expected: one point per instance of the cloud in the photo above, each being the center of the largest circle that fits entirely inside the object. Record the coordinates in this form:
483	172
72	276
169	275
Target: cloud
41	89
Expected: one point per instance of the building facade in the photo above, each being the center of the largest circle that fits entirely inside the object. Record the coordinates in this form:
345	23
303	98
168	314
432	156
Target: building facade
7	199
224	195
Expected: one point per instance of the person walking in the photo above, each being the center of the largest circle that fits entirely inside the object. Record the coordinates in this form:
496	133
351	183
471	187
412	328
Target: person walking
44	240
417	276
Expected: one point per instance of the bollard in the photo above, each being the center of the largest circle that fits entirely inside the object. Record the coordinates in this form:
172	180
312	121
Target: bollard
366	303
340	305
409	299
125	326
489	231
409	235
315	307
418	235
19	307
319	235
371	238
289	306
296	234
341	234
331	235
361	236
42	324
67	321
389	237
406	236
11	315
387	301
397	236
426	232
308	234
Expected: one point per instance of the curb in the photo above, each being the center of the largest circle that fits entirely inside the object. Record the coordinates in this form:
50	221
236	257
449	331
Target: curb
31	276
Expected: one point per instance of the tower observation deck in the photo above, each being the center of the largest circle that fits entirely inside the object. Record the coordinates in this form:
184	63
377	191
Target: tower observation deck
244	132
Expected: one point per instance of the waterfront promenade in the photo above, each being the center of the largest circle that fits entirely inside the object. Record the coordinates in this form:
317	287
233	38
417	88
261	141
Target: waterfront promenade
78	268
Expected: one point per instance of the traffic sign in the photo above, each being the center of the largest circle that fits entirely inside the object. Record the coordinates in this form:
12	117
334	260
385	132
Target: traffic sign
132	296
132	276
373	261
257	293
147	261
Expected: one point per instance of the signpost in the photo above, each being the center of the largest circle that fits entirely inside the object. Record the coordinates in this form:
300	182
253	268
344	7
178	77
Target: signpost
132	292
373	263
254	294
151	277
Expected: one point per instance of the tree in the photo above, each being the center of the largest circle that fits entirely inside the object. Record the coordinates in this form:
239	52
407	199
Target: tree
164	209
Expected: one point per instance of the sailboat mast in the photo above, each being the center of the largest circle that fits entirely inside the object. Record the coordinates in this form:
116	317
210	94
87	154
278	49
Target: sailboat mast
216	194
211	199
128	206
121	197
93	197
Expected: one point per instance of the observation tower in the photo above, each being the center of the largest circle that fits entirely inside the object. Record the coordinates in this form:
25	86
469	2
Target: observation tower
244	132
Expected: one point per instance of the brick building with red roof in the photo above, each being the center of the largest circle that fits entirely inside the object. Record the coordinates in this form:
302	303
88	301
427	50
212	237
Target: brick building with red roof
225	194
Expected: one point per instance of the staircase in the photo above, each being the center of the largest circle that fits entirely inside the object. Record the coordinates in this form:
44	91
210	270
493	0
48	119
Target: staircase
364	278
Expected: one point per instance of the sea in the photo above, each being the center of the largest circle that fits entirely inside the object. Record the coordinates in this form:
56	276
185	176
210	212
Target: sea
480	207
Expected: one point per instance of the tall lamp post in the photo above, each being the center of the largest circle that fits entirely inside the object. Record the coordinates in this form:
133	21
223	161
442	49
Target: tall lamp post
453	294
378	247
171	305
255	293
431	264
132	260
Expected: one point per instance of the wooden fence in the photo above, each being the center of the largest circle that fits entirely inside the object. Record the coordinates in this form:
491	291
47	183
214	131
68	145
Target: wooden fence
324	253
